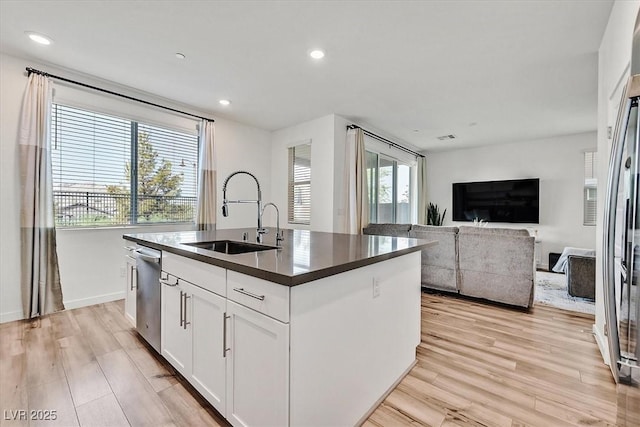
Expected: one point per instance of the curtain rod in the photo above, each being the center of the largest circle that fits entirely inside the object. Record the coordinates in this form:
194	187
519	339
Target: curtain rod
386	141
130	98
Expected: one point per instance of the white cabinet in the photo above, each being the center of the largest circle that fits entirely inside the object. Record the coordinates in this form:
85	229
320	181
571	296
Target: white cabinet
235	356
206	316
257	368
175	340
192	336
537	251
130	286
265	354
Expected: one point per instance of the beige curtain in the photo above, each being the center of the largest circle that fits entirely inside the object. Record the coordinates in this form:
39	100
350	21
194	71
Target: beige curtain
357	197
206	211
40	280
422	190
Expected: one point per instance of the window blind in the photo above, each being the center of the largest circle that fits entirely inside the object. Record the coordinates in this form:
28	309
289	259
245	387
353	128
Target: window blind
90	154
166	174
93	178
590	188
299	199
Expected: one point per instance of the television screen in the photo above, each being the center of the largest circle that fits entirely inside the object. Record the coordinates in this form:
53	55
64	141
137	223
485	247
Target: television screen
497	201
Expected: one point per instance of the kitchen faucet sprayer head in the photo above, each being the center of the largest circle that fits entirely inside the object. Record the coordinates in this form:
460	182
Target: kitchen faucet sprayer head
225	208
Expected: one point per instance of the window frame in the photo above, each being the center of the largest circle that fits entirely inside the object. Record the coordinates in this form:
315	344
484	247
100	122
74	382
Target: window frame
373	176
133	145
590	189
292	184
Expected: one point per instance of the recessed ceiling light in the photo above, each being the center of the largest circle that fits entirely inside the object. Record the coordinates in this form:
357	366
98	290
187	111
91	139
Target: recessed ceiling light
224	102
316	54
39	38
180	55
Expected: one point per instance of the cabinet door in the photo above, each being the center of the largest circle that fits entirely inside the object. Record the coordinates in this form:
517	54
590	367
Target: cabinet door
130	292
175	339
205	316
257	369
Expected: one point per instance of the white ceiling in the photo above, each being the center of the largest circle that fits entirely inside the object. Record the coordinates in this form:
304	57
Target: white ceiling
520	70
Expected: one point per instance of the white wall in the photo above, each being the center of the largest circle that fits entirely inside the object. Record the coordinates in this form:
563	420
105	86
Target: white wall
91	259
613	69
321	132
339	196
558	162
240	147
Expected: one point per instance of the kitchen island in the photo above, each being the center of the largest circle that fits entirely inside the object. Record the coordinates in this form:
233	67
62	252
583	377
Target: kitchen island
314	333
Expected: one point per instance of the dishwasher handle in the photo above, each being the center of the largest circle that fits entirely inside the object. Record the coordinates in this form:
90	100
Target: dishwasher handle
146	257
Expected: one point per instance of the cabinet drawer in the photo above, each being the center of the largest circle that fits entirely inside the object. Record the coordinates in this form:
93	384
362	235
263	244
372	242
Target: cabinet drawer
265	297
205	275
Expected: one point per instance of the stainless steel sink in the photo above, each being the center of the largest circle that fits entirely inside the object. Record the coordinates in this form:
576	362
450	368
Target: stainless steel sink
231	247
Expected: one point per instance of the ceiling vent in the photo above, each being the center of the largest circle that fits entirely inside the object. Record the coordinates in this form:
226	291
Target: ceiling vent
446	137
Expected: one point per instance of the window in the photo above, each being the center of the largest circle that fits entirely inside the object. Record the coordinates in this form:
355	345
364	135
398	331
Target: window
590	187
300	184
113	171
390	188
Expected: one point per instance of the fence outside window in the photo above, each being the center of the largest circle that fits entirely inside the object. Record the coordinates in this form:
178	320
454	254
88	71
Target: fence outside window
86	208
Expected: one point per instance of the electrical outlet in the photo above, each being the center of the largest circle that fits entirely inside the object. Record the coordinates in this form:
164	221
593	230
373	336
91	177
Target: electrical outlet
376	287
123	271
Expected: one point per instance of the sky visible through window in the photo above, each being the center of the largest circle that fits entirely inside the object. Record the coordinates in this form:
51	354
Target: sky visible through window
91	151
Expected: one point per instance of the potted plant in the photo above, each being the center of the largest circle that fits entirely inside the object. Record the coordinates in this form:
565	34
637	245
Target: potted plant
433	215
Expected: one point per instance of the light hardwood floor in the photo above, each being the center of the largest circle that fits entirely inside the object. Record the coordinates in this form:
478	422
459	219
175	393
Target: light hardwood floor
478	365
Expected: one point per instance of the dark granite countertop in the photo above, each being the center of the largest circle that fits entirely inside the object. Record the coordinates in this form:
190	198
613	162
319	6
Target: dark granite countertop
304	256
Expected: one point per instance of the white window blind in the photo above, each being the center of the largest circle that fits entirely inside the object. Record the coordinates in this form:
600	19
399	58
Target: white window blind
300	184
166	175
590	188
95	183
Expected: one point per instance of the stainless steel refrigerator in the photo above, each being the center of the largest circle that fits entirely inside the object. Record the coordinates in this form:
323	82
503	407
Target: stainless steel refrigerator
621	240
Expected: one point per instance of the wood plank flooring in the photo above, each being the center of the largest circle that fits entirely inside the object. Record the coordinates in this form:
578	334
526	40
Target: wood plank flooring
478	365
92	368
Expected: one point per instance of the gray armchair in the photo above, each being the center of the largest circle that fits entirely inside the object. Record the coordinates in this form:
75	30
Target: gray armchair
581	276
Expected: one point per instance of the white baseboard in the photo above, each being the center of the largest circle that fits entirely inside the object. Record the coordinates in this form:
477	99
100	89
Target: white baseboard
601	340
83	302
11	316
76	303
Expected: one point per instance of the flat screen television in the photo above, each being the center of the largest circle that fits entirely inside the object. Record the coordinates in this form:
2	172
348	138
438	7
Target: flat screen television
514	200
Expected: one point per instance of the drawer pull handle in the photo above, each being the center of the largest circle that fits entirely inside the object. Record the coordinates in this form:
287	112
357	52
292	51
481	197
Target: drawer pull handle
249	294
165	281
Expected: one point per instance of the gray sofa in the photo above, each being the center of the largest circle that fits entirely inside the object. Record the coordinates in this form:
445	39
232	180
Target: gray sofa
440	262
496	264
395	230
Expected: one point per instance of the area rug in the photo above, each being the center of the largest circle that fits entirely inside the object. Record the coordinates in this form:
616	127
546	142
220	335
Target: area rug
551	289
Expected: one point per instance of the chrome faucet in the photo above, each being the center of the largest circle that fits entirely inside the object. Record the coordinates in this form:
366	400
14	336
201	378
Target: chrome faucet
225	202
279	237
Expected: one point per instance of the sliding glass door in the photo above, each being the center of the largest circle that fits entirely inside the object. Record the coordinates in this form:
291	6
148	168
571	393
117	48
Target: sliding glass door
390	188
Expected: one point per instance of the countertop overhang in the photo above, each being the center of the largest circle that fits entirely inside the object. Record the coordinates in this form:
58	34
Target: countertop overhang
305	255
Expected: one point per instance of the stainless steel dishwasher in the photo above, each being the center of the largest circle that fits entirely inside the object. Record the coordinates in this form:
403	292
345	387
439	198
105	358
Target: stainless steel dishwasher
148	295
